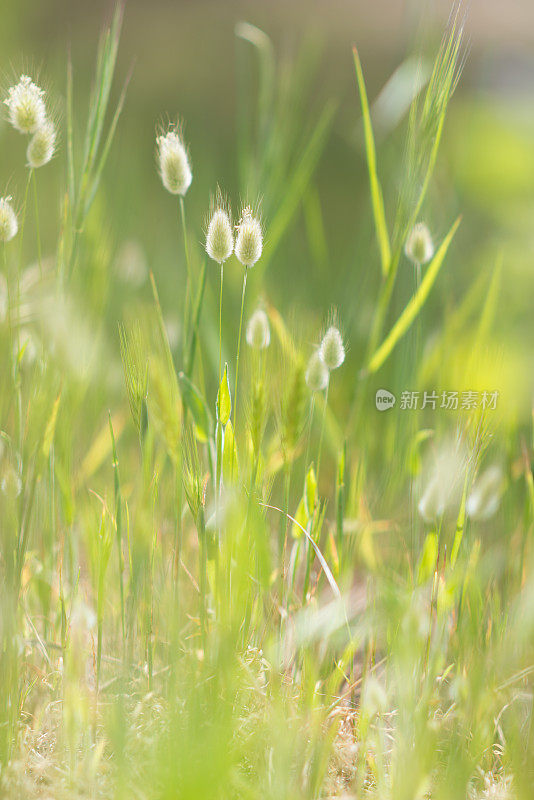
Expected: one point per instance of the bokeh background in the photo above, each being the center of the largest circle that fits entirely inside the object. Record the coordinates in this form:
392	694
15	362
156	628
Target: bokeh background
187	60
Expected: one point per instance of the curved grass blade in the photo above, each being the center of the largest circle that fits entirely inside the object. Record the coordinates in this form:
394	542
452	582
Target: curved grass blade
297	185
414	306
196	404
326	569
460	525
377	197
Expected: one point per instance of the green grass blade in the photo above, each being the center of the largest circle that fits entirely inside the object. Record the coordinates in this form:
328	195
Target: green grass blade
491	305
70	135
195	402
297	185
324	564
376	189
107	146
414	306
196	322
460	525
163	332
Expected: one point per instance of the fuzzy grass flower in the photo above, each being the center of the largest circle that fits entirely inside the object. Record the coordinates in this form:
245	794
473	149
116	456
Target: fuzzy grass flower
173	162
332	349
248	249
10	482
219	235
445	468
485	496
25	101
258	331
419	247
249	241
8	220
317	373
42	145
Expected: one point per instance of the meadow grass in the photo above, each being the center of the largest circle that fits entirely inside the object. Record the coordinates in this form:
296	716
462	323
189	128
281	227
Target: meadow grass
264	588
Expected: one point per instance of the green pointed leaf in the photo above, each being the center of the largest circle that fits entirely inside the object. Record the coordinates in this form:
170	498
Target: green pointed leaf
460	524
50	429
195	403
376	190
310	491
224	402
297	185
427	561
230	463
414	306
301	520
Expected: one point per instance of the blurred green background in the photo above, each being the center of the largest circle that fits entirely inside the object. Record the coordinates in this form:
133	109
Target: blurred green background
187	61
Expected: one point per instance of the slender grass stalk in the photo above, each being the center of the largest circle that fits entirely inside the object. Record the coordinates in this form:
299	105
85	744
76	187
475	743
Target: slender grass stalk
203	576
220	321
9	311
37	225
374	182
308	435
52	512
118	528
340	498
239	344
258	414
178	529
321	437
20	426
196	322
71	180
189	287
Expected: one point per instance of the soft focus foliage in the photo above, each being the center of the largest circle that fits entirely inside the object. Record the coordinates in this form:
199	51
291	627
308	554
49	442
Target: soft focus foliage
315	581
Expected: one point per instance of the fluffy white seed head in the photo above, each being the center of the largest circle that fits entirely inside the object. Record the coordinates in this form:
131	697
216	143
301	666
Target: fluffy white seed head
419	246
25	102
485	497
258	330
249	241
220	236
10	483
496	788
432	504
445	470
317	374
42	145
331	349
8	220
173	163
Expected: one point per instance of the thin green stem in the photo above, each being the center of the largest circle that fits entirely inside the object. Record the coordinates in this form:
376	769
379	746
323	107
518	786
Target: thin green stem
415	521
220	323
9	315
19	270
417	344
285	518
239	342
203	576
37	226
308	438
196	320
361	386
322	432
189	289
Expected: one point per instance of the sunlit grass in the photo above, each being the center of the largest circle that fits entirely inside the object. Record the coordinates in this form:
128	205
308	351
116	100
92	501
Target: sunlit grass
225	571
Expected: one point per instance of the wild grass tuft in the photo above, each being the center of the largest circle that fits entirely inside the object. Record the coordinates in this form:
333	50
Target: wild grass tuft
225	569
